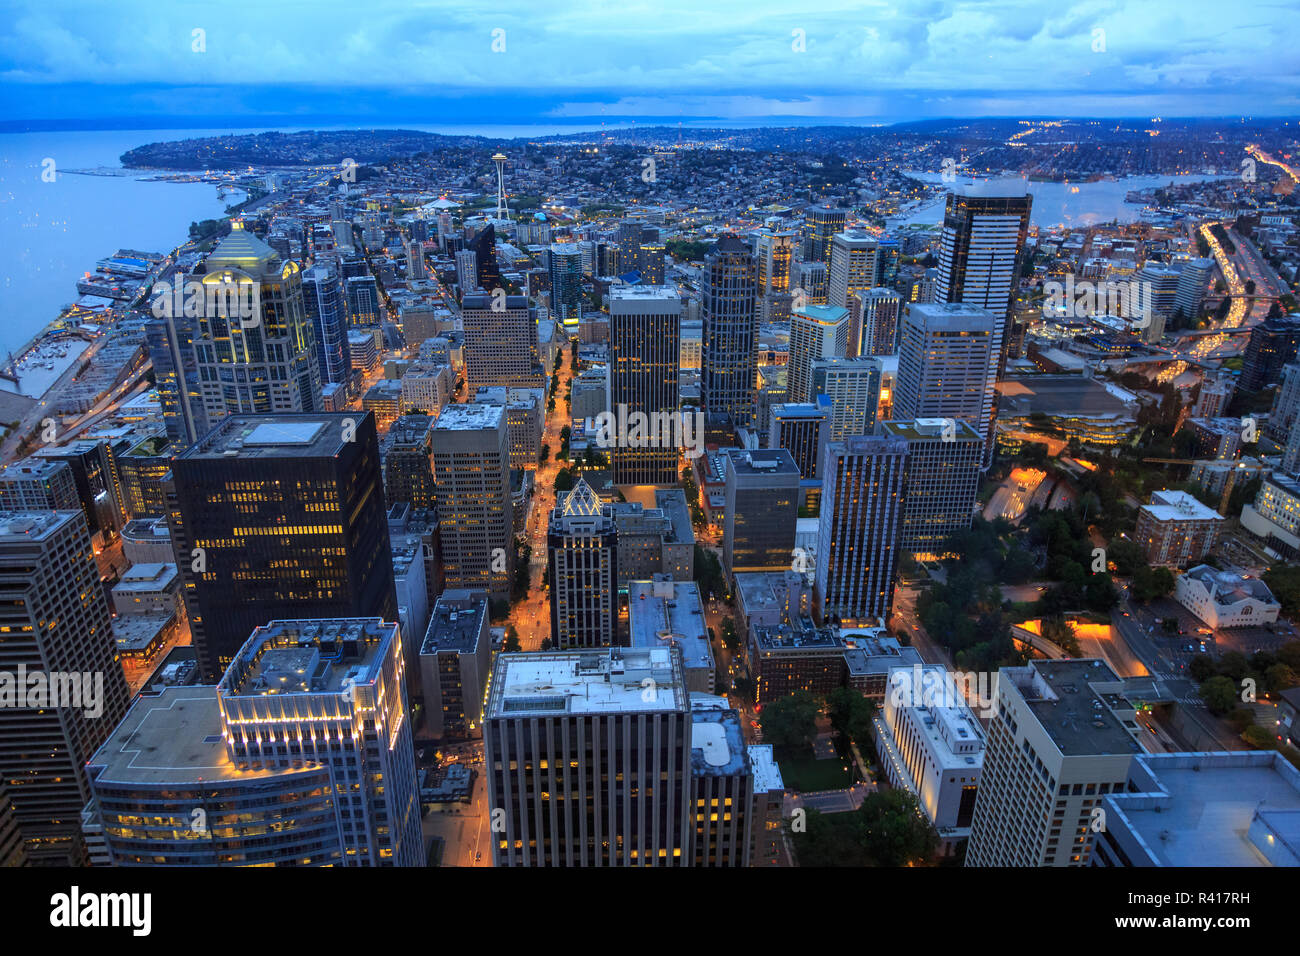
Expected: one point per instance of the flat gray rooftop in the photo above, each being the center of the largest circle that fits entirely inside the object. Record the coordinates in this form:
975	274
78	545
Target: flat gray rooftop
1212	799
284	435
174	737
1079	720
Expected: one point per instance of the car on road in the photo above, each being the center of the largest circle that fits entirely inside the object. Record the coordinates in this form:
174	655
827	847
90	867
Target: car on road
478	856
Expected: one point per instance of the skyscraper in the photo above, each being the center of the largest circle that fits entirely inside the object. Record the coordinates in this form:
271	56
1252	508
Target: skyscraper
943	478
302	755
861	517
54	625
762	509
1193	282
876	330
471	467
602	757
773	252
500	341
851	387
645	355
415	267
984	230
582	555
170	341
327	308
820	224
803	430
948	364
566	284
484	247
816	332
274	516
406	453
729	311
264	363
1057	745
363	299
852	267
1273	343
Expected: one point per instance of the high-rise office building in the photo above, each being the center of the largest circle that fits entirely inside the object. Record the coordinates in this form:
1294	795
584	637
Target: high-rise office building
816	332
812	284
729	310
484	247
1273	343
603	757
852	267
467	271
820	224
170	341
1193	283
761	489
588	753
415	265
364	307
327	308
55	624
773	252
948	364
406	454
302	755
645	356
851	387
861	517
943	477
38	484
582	555
803	430
259	364
566	284
500	342
274	516
471	468
1058	744
984	230
455	658
875	332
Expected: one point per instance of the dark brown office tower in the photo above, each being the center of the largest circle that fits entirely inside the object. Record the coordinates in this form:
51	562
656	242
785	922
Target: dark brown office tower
280	517
1273	343
407	452
729	313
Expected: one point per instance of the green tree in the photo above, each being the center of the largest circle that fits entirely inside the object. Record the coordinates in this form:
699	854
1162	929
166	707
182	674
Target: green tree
895	832
790	723
1151	583
512	644
1219	694
851	713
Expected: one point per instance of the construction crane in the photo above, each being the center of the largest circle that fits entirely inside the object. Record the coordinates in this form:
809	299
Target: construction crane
1228	482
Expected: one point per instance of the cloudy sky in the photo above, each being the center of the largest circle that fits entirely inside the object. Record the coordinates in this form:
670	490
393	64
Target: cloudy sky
561	61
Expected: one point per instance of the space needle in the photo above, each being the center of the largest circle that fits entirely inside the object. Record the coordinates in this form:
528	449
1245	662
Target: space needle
503	211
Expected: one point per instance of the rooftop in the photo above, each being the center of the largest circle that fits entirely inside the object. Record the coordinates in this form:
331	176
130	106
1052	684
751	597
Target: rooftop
472	417
172	737
1209	809
717	743
455	625
32	525
308	657
1068	395
596	681
320	435
664	613
1169	505
1076	715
